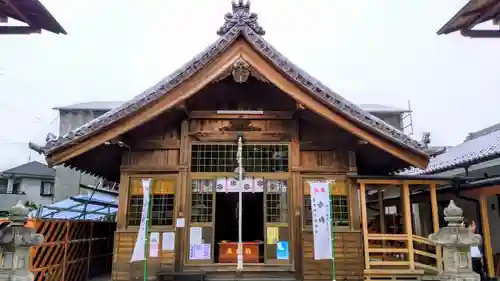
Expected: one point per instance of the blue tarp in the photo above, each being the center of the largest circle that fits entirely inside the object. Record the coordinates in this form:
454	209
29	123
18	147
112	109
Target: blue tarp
81	207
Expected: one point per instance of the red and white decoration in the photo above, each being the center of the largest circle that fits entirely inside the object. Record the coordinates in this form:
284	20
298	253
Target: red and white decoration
229	184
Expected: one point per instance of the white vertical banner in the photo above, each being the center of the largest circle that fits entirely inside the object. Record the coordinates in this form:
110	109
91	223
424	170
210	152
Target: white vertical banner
140	244
320	204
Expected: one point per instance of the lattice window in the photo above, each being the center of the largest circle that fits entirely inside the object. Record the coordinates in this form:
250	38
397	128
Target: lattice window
162	200
265	158
134	210
162	209
276	201
213	157
340	210
339	201
256	157
202	201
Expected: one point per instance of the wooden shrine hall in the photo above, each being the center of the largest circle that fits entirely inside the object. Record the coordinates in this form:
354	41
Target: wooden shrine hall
242	99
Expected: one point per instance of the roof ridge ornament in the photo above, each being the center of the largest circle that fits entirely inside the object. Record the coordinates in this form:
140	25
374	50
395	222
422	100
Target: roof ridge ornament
241	17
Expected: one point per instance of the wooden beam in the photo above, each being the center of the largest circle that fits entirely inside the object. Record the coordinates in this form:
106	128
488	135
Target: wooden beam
405	194
482	191
399	182
480	33
230	136
266	115
152	168
18	30
320	170
483	202
155	145
364	224
435	224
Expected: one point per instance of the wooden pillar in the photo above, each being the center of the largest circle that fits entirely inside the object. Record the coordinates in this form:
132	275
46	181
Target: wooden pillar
405	194
297	199
121	217
483	201
364	223
435	225
381	208
382	212
354	208
182	196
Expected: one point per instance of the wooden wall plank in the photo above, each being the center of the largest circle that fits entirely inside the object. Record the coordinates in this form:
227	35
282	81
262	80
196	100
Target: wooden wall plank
348	258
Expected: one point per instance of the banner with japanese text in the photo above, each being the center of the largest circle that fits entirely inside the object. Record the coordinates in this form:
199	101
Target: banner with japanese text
140	244
320	204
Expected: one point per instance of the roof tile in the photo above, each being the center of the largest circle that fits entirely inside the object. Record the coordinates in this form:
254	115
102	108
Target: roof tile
478	149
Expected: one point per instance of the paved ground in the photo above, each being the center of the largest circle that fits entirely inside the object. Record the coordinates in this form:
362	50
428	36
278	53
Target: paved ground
101	278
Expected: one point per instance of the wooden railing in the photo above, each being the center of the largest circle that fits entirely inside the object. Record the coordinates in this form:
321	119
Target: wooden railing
426	255
390	252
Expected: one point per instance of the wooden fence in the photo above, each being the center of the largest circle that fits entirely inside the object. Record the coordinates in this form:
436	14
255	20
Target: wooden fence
73	250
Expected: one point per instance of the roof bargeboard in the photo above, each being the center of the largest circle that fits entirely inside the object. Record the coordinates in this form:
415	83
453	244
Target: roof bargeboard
473	13
240	38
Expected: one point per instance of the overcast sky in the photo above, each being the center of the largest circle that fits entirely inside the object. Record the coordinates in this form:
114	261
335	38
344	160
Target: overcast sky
369	51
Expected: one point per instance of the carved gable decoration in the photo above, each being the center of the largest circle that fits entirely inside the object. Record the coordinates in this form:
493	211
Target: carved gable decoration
240	125
241	63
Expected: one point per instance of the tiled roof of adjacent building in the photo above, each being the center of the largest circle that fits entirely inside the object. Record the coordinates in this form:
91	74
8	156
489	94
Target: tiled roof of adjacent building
241	23
482	146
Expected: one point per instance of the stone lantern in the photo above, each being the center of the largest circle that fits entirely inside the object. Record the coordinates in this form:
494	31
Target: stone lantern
456	241
15	242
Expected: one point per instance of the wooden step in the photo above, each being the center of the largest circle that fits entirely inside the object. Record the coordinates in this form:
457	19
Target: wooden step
393	274
388	272
250	276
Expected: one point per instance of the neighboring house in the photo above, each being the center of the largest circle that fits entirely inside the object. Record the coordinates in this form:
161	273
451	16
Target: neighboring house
32	16
31	182
69	181
391	115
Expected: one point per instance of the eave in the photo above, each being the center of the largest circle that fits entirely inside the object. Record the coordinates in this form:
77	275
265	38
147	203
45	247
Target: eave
472	14
32	13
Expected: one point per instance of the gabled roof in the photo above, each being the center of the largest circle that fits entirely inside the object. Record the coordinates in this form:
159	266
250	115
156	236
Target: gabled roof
241	23
475	150
31	169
